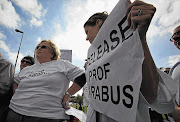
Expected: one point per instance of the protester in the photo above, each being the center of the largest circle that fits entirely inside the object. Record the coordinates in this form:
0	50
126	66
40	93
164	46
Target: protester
175	74
26	61
6	80
43	88
151	80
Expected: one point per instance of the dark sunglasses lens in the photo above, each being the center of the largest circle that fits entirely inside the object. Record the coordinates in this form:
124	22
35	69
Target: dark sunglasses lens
27	62
166	72
43	47
37	47
177	33
172	38
178	43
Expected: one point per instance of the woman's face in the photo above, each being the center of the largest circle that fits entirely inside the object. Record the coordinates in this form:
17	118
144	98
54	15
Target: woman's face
91	32
44	52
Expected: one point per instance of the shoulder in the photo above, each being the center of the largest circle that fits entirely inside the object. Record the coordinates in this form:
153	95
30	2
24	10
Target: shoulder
63	62
4	61
29	67
26	70
6	65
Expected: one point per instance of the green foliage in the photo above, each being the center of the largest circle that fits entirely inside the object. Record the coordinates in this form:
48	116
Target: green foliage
77	107
77	99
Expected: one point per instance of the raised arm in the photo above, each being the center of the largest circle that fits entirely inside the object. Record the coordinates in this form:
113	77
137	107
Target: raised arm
139	17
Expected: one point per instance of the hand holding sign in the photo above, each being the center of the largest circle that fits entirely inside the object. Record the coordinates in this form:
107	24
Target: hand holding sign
139	16
118	60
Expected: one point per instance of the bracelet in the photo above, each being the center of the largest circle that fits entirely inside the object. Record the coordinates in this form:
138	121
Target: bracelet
68	94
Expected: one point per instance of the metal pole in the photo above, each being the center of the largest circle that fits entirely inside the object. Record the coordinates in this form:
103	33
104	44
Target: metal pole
19	49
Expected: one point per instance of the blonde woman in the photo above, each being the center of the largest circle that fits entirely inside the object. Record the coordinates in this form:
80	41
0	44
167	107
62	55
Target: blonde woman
43	88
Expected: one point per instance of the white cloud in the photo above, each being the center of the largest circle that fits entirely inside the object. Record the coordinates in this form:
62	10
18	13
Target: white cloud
76	13
35	22
173	60
30	6
166	17
38	39
33	8
9	17
2	36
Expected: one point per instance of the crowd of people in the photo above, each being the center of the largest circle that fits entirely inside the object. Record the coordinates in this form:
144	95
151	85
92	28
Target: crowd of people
40	91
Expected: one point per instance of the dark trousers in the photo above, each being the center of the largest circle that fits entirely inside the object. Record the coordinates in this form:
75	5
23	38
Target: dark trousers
3	113
4	103
15	117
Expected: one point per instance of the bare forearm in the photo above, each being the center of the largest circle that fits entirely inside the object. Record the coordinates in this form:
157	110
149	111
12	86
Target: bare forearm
176	113
71	91
74	88
150	77
141	22
15	85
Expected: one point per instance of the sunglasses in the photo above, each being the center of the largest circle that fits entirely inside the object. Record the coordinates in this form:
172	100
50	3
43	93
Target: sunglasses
43	47
27	62
172	37
166	71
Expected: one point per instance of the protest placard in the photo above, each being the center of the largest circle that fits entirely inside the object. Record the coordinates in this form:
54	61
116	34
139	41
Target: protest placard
66	54
114	67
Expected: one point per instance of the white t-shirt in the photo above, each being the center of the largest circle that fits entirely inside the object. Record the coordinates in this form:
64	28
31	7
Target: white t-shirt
85	95
41	88
163	104
175	74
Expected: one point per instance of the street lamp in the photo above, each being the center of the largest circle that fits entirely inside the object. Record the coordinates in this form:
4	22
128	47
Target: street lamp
19	45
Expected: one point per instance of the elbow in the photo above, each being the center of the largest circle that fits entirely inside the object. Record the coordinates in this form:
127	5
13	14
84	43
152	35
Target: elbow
149	87
150	91
81	80
151	98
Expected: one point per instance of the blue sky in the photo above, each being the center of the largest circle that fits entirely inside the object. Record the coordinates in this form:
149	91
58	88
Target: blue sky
62	22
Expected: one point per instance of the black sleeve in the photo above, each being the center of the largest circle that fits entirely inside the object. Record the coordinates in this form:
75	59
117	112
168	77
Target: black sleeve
81	80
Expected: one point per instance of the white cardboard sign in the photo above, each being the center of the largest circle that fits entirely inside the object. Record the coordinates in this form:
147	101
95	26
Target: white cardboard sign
114	67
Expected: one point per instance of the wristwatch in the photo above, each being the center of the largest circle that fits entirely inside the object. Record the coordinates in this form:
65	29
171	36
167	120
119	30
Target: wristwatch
68	94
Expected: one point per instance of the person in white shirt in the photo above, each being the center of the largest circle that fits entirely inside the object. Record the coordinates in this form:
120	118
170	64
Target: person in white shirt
153	92
43	88
26	61
175	74
6	81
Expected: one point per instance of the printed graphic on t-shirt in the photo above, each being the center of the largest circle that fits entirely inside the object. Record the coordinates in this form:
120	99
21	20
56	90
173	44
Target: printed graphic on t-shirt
38	73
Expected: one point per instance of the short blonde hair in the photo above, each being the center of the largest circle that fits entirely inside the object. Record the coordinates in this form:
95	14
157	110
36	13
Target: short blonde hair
56	51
